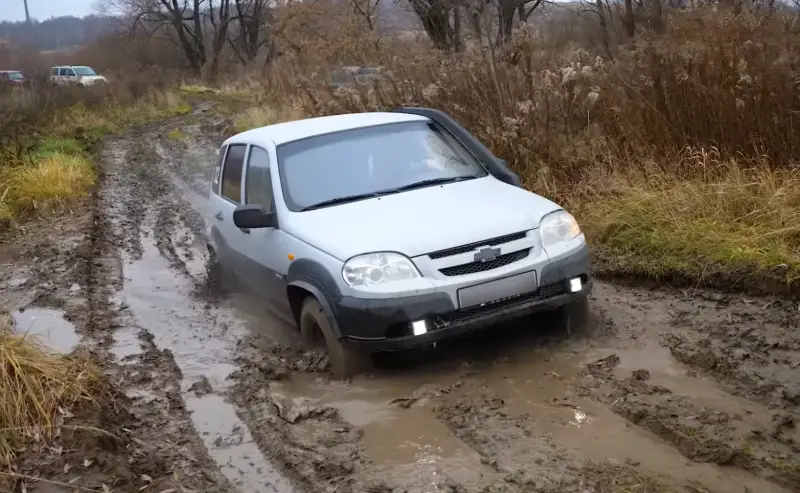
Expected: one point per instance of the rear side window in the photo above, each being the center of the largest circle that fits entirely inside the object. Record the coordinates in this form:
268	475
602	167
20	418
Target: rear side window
258	183
62	72
232	172
54	71
218	170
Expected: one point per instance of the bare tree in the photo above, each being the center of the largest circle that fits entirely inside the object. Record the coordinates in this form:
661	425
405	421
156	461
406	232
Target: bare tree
435	18
507	10
368	10
220	17
628	21
656	17
186	23
251	30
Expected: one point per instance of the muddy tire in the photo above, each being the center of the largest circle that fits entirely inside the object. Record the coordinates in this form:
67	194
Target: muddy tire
346	359
574	317
219	279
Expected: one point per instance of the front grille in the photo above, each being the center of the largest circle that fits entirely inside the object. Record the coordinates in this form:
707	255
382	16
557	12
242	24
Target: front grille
462	316
472	246
473	267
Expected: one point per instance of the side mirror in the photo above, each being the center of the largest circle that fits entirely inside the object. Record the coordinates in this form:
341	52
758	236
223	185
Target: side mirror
254	216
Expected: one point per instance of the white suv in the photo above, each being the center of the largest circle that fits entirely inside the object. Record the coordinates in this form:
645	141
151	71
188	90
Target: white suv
386	231
75	74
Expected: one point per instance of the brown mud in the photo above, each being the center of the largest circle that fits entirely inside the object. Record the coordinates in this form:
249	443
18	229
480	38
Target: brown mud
667	391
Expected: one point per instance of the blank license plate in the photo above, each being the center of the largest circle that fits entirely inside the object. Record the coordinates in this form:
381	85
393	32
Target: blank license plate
498	289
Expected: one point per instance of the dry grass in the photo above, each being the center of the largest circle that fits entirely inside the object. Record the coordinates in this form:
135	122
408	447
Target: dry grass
47	185
116	116
45	133
37	385
743	225
265	115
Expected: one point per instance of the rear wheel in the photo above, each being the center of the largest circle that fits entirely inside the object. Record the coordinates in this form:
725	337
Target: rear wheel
346	359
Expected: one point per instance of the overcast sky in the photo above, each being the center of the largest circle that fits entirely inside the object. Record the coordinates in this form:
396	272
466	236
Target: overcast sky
14	10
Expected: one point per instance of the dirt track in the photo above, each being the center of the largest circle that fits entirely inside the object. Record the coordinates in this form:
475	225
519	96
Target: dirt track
689	391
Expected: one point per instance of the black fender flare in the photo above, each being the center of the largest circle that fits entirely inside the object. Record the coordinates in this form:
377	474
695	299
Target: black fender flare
323	301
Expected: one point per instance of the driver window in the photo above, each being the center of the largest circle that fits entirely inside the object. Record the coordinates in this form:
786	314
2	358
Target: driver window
258	182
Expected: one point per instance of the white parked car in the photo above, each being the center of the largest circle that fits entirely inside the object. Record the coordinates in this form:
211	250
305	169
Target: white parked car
386	231
78	75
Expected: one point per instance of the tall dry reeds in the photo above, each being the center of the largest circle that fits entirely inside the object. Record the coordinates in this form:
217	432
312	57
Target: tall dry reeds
622	134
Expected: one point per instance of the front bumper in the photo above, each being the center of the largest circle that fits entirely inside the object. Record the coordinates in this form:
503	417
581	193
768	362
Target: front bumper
385	324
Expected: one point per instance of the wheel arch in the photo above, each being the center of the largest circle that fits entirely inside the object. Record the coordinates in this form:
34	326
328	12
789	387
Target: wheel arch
297	291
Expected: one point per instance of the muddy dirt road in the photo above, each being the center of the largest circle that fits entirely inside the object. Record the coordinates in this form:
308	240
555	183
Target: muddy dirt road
671	391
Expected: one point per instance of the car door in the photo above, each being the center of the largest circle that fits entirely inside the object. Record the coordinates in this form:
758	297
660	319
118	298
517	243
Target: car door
63	75
72	77
225	197
265	249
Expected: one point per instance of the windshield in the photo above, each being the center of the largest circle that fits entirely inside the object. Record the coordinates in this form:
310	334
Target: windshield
84	71
15	76
370	160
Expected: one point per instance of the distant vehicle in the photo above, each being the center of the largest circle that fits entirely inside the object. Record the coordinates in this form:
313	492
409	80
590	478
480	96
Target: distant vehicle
13	77
387	231
79	75
353	75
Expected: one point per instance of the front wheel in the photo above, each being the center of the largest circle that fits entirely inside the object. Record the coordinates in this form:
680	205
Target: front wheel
346	359
575	316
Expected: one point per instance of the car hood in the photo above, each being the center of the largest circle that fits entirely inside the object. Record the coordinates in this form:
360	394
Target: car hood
421	221
92	78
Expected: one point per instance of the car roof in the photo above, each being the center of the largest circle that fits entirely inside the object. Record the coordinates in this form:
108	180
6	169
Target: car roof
282	133
10	71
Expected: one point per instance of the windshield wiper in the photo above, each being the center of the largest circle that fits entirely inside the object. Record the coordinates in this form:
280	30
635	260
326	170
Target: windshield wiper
434	181
380	193
343	200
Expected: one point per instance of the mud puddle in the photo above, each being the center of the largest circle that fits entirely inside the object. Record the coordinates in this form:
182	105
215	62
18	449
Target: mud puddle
412	422
232	447
48	326
404	441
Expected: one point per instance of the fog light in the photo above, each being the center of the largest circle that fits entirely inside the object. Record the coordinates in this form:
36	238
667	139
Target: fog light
419	327
575	285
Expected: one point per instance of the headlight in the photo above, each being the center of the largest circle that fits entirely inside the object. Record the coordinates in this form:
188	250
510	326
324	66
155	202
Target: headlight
558	226
378	268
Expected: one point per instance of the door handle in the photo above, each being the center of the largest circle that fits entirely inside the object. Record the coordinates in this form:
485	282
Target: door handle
245	231
218	216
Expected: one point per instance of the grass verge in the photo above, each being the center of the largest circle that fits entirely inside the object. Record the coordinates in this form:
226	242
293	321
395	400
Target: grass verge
260	116
58	169
37	385
46	185
739	231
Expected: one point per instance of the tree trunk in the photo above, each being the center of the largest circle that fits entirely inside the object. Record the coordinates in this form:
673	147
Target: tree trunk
457	42
628	21
506	10
656	17
437	24
603	25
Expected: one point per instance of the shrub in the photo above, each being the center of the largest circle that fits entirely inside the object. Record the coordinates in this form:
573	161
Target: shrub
48	184
35	383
